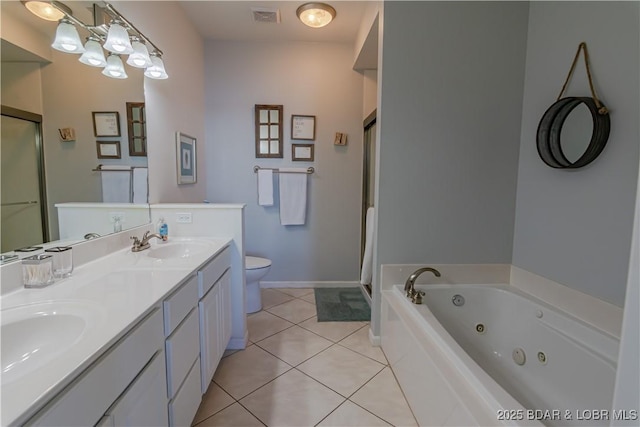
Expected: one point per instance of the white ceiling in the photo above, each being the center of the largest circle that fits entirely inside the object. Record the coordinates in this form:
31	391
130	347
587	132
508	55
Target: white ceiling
233	20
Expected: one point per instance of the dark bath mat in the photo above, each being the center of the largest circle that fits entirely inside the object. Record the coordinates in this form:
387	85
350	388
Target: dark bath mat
341	305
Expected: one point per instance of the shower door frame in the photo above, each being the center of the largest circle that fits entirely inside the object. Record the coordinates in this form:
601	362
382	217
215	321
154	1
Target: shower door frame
37	120
368	123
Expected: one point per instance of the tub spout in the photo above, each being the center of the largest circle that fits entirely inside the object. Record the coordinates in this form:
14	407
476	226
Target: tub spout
409	284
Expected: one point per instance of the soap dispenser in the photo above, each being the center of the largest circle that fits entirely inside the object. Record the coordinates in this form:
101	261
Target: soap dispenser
163	229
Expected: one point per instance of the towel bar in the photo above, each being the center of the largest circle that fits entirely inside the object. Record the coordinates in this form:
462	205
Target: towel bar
309	171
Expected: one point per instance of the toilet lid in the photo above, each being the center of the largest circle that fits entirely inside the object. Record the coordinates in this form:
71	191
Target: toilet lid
254	262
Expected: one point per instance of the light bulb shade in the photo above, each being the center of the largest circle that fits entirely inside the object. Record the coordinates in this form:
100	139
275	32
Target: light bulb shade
156	70
140	56
118	40
93	55
45	9
316	15
114	68
67	38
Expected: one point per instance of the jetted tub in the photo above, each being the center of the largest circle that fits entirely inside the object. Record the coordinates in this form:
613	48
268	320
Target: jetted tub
492	355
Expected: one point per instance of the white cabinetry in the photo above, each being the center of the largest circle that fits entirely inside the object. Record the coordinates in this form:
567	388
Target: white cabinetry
182	349
88	398
144	401
215	314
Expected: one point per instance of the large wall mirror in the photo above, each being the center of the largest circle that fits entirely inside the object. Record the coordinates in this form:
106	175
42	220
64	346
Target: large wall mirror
48	129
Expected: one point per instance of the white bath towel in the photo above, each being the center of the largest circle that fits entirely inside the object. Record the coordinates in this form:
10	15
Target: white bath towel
140	185
265	187
116	184
367	259
293	196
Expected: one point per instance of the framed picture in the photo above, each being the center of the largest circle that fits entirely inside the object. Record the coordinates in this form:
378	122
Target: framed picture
268	123
302	152
186	158
303	127
108	149
106	123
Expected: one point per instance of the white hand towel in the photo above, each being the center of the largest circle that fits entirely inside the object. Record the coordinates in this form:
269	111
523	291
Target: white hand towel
265	187
367	259
293	196
116	184
140	185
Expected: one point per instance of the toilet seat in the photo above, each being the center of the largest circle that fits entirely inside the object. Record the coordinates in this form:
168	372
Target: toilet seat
254	262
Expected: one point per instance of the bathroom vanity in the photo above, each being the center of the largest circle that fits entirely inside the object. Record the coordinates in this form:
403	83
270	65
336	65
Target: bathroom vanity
129	339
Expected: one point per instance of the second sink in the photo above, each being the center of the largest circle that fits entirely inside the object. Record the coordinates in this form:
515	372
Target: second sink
177	250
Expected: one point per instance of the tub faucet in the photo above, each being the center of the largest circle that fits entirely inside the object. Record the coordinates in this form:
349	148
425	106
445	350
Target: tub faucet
141	245
416	296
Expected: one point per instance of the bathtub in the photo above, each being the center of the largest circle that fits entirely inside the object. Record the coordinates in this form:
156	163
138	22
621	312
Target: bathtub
496	357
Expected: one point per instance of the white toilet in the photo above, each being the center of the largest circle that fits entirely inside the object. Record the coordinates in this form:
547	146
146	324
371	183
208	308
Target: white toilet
255	269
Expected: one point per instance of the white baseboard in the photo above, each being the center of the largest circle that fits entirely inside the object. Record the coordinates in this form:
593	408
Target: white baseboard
239	343
374	339
325	284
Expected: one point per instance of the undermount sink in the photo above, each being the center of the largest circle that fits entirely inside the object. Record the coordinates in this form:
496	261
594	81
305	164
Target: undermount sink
177	250
33	335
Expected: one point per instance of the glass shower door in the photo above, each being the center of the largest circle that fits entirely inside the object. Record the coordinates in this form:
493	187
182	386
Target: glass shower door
21	192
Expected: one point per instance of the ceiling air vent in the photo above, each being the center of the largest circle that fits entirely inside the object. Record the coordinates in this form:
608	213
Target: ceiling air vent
268	16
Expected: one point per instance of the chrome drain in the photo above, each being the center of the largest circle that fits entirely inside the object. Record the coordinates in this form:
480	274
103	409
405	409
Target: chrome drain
480	328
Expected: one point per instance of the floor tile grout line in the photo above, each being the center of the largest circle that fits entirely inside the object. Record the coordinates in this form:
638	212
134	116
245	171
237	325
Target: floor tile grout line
403	395
335	391
375	415
254	415
363	355
276	333
217	412
378	416
298	364
334	410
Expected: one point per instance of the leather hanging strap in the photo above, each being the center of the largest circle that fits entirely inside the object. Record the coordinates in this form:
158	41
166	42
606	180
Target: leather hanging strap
602	110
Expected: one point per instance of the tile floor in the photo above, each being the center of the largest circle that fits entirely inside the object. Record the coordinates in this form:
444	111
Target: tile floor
297	371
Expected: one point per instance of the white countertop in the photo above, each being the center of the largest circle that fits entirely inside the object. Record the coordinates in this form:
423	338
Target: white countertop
115	292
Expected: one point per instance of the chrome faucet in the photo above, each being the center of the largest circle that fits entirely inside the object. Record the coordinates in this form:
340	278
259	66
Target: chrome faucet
141	245
416	296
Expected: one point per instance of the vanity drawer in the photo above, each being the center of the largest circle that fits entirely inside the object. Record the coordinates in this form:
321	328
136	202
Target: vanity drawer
210	273
182	348
178	305
183	408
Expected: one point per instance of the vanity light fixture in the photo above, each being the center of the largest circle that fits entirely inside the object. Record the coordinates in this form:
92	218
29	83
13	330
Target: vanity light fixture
114	67
67	38
50	11
93	55
140	56
156	71
120	37
316	15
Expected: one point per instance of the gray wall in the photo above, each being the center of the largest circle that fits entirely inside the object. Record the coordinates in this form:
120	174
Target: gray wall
307	78
574	227
451	97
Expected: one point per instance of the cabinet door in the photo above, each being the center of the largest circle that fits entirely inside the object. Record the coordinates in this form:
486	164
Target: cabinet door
210	352
144	403
225	310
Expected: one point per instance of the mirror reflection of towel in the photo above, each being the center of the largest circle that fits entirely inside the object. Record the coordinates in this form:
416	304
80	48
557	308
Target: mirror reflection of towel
293	196
140	185
116	184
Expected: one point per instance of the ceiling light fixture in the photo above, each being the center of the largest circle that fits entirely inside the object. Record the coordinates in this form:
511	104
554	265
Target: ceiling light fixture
93	55
114	67
156	71
119	35
50	11
140	56
316	15
67	38
118	39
